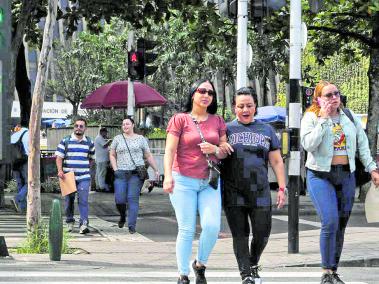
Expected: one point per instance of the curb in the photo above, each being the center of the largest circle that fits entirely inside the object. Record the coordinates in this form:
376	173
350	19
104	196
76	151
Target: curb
364	262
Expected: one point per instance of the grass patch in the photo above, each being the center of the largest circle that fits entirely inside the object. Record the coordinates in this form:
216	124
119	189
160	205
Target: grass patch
37	242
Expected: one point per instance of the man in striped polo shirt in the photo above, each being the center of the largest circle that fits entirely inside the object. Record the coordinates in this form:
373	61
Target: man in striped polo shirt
74	154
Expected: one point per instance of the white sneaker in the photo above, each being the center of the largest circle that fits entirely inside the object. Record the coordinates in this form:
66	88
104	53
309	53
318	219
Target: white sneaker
70	227
83	229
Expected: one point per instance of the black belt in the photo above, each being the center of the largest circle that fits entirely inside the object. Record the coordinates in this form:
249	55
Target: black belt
339	167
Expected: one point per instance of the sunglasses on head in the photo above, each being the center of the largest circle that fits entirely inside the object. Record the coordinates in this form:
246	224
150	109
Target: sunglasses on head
203	91
79	125
331	94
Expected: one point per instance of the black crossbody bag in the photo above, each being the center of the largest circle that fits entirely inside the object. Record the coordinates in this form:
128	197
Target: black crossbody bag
214	169
141	170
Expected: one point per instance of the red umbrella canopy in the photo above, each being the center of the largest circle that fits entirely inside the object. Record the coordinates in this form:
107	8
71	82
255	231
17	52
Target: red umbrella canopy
115	95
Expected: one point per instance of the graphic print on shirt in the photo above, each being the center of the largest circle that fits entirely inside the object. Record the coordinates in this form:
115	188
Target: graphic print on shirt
339	142
250	138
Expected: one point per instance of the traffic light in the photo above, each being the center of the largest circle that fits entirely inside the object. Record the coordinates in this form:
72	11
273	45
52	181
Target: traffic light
136	69
307	96
144	47
5	55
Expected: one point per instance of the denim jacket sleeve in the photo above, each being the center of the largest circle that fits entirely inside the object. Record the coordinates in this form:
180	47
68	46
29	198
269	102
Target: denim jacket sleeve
312	131
363	147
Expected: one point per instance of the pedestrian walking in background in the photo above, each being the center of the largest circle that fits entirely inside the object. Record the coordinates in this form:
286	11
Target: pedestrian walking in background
102	159
331	140
186	176
74	154
246	189
20	168
127	153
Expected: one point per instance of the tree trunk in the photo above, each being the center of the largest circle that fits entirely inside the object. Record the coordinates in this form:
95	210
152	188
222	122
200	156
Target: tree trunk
373	106
23	86
34	185
23	21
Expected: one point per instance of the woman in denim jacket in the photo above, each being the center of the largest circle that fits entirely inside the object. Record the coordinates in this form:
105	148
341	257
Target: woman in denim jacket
330	138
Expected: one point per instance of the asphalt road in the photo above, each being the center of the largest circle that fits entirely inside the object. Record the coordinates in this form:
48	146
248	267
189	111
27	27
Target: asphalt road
162	229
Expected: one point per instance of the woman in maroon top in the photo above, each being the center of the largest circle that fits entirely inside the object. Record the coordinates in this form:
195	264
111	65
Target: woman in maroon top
186	176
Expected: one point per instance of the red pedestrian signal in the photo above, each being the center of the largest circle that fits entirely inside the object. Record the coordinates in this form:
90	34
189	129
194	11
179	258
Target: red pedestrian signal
135	65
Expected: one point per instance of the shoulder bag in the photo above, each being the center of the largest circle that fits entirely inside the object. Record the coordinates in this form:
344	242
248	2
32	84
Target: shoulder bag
141	170
214	170
361	176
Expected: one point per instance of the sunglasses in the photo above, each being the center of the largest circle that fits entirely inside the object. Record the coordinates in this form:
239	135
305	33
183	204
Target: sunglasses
331	94
203	91
81	126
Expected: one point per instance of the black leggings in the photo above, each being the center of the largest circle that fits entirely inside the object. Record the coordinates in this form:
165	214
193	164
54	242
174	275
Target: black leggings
238	220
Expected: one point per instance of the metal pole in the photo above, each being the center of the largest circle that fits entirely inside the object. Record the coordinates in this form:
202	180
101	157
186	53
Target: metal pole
294	111
242	44
131	98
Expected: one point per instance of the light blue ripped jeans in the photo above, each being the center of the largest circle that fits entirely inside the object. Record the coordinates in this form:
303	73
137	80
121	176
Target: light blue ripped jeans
192	195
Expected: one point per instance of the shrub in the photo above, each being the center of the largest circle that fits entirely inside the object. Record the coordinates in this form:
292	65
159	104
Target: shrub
11	186
157	133
51	184
38	241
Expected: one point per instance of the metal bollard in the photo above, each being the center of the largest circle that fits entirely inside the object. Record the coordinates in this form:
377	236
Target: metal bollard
55	231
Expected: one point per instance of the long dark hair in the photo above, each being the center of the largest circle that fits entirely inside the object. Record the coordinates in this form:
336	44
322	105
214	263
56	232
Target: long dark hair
212	108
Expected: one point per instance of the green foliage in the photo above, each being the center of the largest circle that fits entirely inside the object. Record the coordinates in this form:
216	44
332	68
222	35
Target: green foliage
228	114
51	185
89	61
157	133
38	241
350	77
11	186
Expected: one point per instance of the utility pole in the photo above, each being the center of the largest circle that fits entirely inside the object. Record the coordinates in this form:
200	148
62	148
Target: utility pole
131	99
294	111
242	44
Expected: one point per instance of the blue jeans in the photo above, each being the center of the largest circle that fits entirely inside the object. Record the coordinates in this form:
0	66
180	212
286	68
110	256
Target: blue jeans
189	196
333	197
127	188
69	200
21	177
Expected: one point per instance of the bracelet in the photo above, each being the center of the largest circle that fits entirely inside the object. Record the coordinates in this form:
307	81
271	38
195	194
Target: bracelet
283	189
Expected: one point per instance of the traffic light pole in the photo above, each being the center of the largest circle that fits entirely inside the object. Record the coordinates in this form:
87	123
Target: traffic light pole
294	111
131	99
242	44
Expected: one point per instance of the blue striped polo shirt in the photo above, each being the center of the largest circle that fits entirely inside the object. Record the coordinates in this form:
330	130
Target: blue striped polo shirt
77	156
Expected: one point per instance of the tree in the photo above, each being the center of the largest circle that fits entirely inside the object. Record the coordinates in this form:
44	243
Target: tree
34	186
350	28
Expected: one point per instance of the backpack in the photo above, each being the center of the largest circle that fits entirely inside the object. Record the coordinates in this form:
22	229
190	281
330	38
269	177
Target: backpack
361	176
17	153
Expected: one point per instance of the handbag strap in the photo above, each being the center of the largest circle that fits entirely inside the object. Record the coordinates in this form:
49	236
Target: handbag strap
130	154
201	137
350	116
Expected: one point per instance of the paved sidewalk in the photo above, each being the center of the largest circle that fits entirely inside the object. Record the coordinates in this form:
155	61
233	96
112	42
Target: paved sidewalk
107	245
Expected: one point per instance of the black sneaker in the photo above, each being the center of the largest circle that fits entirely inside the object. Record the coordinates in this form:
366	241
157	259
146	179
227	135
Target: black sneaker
336	278
327	278
132	230
199	273
183	279
254	273
121	222
248	280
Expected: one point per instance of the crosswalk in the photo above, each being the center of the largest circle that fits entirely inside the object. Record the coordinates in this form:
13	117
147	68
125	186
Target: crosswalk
103	275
